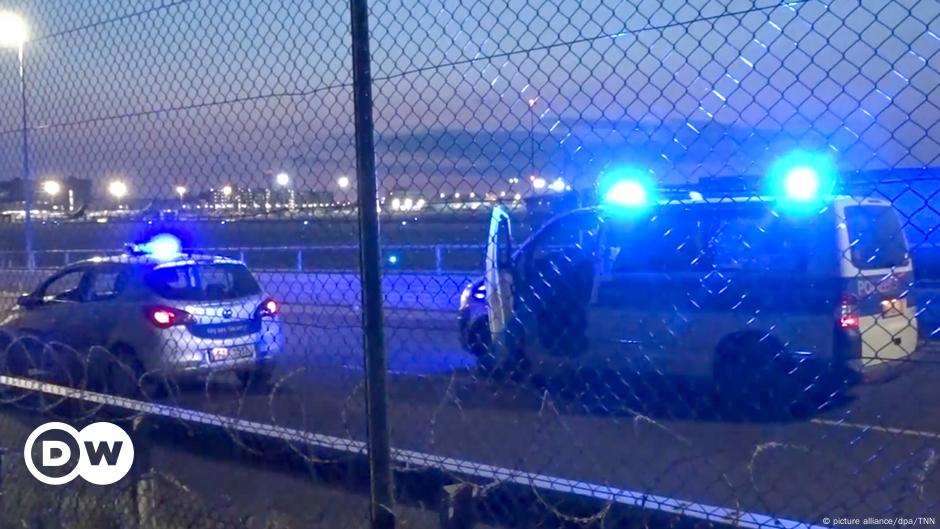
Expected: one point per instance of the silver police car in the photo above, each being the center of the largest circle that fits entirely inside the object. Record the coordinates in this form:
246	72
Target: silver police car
166	315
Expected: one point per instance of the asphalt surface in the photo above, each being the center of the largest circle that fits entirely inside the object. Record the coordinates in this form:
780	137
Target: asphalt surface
874	452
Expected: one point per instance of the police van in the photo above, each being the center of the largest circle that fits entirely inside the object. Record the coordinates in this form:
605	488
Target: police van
734	289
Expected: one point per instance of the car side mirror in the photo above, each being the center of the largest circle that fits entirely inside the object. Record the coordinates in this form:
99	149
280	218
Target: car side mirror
29	301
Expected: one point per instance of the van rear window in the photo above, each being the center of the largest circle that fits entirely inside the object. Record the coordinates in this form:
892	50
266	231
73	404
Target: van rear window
203	282
875	237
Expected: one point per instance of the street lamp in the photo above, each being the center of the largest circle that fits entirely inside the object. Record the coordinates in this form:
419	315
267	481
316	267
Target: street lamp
14	34
117	189
282	179
227	191
342	182
51	188
181	191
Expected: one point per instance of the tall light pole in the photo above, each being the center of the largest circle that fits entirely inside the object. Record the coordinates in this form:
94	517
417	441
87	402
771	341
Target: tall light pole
14	33
181	191
282	179
118	190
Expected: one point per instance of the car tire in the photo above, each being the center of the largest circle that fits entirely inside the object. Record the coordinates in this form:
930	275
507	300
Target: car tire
514	367
126	376
751	380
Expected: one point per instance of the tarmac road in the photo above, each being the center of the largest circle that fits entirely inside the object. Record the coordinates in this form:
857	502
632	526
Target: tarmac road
874	452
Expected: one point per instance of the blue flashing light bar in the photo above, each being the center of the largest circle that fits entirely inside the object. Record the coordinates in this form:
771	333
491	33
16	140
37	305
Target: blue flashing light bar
802	180
627	189
163	247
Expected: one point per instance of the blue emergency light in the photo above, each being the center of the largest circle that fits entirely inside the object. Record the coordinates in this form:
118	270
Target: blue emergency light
802	180
626	189
162	247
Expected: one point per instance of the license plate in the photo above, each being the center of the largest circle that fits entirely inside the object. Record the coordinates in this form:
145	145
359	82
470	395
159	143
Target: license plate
218	354
893	307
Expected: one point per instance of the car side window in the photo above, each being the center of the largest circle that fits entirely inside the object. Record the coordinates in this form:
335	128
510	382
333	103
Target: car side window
662	243
106	283
574	234
64	288
762	243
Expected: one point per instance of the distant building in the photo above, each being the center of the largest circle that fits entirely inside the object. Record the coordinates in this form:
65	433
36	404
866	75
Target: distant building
73	194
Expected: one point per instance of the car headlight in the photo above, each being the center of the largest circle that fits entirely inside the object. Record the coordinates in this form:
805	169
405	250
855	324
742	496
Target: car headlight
472	291
480	292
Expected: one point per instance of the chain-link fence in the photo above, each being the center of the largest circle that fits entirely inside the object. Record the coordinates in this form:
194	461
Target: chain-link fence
625	263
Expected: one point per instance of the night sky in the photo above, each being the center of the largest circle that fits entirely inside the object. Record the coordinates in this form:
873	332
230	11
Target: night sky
207	92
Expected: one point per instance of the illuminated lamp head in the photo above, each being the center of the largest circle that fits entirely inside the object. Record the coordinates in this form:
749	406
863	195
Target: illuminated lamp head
163	247
626	190
802	181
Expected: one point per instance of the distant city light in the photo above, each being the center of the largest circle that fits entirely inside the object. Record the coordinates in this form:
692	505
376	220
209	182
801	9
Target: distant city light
14	32
539	183
342	182
117	189
180	190
393	259
282	179
443	195
558	185
51	187
518	196
407	204
456	195
227	191
396	204
473	195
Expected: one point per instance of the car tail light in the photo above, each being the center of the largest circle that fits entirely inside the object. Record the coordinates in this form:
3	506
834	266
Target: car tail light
848	312
268	308
166	317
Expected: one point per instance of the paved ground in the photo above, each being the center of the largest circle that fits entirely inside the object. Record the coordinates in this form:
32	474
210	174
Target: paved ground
874	453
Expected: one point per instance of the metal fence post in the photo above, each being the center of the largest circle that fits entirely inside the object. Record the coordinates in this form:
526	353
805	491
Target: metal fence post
143	482
381	514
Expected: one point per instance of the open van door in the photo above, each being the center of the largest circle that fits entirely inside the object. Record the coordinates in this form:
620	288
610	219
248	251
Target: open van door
499	279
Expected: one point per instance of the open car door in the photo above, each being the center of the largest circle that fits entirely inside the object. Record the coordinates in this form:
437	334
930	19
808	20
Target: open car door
499	280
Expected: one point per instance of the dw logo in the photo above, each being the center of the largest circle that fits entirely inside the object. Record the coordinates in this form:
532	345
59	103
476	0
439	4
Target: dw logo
101	453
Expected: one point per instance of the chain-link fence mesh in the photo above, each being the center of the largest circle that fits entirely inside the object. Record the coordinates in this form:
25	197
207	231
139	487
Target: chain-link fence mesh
642	263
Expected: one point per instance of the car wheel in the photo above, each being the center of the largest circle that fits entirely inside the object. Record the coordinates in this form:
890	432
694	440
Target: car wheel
750	379
127	377
479	344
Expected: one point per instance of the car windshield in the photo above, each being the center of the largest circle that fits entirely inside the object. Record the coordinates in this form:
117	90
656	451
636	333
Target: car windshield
875	237
203	282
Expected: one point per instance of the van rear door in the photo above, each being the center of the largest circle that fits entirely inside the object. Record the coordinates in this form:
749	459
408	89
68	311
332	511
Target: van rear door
878	276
